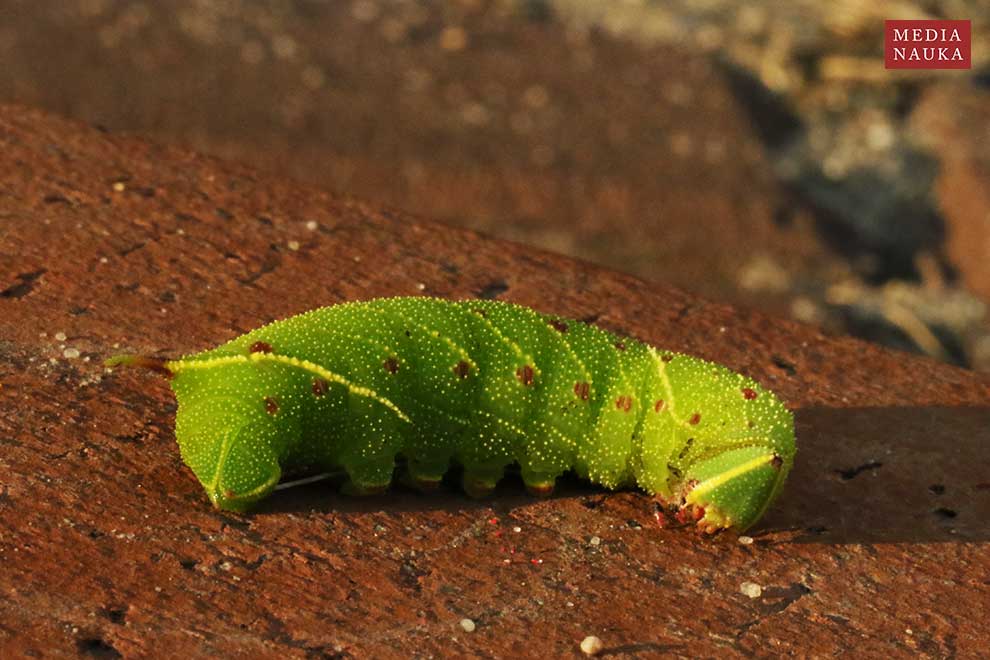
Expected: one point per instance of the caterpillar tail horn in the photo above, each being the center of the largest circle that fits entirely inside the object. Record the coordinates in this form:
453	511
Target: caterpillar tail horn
158	365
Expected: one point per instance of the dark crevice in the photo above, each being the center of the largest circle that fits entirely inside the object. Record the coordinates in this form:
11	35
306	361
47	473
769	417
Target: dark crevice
132	248
97	648
116	614
778	599
852	473
493	290
271	261
24	286
781	363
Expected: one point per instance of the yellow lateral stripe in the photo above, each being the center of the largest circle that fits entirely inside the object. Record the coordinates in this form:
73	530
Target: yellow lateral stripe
715	482
668	390
389	351
179	365
570	349
435	334
215	482
525	357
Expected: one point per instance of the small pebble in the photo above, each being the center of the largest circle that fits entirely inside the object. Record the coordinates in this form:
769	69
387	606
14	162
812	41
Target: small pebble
59	336
595	540
119	186
751	589
293	245
311	225
591	645
70	353
517	529
467	625
746	540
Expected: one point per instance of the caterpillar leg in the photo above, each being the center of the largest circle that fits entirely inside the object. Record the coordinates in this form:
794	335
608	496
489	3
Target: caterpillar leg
539	484
731	489
425	476
480	481
368	478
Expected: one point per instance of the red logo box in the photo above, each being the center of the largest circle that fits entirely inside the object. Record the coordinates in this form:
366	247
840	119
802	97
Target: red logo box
927	45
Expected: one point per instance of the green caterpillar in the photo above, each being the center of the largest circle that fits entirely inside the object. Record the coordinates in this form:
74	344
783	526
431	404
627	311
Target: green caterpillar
485	384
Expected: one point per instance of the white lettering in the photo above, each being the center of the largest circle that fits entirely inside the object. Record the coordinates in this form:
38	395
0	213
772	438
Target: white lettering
928	54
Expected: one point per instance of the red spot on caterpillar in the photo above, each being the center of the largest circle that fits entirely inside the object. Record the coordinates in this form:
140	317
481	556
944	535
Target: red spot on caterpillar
582	390
391	365
748	393
620	345
271	405
695	418
658	406
667	357
462	369
229	493
624	403
525	375
320	387
776	462
558	325
261	347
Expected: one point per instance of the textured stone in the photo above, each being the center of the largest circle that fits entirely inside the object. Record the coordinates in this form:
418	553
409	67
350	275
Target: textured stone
108	546
582	144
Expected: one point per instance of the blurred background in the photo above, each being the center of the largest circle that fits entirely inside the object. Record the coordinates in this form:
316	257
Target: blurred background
756	153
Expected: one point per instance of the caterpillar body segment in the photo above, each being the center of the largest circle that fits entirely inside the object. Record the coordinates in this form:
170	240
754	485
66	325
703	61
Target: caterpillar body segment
485	384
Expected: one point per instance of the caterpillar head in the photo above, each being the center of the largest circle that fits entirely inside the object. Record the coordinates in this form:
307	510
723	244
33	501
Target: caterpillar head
229	440
731	489
229	446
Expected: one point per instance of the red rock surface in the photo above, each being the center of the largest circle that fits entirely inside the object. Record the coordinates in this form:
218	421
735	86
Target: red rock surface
582	144
108	546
